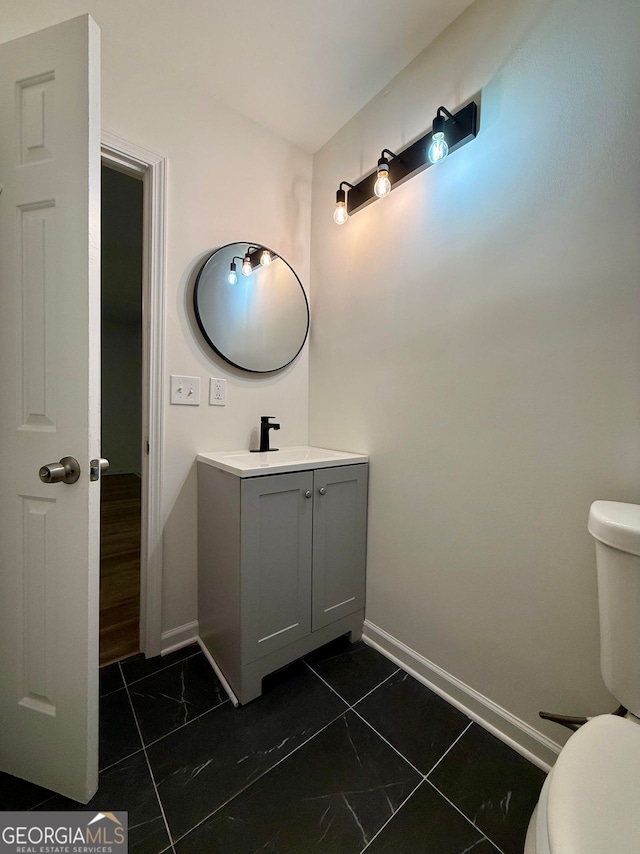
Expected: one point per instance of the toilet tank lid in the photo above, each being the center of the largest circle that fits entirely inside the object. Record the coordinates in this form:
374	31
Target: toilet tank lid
616	524
594	798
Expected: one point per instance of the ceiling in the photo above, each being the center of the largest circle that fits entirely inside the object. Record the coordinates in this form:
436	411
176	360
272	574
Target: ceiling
302	68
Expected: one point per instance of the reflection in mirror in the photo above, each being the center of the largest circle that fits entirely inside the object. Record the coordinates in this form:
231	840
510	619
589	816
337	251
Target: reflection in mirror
251	307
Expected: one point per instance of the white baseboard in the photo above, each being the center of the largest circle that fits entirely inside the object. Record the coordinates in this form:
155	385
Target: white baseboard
219	674
179	637
524	738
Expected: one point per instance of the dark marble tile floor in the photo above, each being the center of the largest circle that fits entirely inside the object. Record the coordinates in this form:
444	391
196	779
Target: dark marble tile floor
343	752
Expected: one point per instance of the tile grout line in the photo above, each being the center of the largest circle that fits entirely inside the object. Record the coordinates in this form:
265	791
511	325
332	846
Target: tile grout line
451	746
143	746
156	740
111	693
464	816
182	726
392	816
153	779
330	687
124	759
41	803
402	756
364	720
161	670
260	776
379	685
351	705
423	776
115	690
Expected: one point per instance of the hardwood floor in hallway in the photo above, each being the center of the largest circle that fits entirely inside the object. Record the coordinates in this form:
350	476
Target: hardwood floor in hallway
119	567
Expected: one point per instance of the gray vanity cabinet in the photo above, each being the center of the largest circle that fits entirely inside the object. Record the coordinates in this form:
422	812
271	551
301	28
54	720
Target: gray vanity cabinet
281	566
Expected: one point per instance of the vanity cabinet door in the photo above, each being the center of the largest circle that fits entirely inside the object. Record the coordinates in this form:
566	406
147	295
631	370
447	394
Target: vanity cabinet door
276	550
339	542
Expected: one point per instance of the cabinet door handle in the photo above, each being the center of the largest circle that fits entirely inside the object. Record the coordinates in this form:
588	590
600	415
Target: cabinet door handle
307	494
322	490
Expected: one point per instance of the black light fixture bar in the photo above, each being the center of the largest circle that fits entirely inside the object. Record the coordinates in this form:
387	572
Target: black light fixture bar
460	129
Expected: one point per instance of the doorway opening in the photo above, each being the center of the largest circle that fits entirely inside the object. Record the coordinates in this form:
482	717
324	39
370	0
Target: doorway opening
135	502
122	414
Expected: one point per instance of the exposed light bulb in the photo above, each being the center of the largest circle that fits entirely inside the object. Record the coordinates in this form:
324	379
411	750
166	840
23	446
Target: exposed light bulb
246	266
233	276
340	215
382	186
265	258
438	149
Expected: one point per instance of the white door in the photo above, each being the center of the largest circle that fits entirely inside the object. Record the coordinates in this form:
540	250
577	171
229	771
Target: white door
50	405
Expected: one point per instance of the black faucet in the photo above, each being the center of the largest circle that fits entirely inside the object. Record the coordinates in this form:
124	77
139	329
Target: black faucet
265	426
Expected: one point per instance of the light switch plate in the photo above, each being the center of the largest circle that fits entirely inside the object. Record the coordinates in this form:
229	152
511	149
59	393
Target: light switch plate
217	392
185	390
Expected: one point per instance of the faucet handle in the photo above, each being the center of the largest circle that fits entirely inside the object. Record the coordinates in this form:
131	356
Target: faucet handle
265	418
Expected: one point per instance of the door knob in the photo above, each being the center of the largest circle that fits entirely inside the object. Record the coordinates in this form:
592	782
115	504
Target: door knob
66	471
96	467
322	490
307	494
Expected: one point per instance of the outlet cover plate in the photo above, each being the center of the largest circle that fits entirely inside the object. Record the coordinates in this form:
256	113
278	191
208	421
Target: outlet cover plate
217	392
185	390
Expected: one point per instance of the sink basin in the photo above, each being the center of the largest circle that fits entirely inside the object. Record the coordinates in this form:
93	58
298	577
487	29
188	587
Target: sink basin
246	464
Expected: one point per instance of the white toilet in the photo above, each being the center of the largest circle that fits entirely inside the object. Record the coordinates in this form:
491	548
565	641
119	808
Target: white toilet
590	802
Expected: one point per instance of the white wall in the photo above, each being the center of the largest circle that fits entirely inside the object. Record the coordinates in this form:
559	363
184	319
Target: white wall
477	333
229	179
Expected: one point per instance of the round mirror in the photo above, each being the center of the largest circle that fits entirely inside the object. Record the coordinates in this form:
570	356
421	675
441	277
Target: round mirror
251	307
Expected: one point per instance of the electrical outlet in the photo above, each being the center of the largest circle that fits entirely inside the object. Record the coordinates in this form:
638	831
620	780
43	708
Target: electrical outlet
217	392
185	390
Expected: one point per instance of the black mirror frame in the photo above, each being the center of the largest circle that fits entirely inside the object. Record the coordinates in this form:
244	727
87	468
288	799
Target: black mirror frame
201	324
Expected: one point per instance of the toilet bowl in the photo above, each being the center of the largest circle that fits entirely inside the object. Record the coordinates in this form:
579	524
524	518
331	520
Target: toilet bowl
590	801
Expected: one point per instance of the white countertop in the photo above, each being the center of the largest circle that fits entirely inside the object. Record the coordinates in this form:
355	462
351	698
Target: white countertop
299	458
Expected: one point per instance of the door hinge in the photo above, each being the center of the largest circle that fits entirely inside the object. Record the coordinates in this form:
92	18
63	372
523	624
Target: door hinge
146	447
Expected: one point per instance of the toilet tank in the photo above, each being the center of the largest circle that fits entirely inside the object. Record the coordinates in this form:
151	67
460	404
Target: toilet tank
616	529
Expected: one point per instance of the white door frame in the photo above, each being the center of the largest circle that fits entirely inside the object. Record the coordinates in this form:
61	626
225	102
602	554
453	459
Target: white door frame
133	160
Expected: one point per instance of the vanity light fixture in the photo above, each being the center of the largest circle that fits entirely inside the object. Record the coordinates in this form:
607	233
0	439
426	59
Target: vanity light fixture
340	215
450	131
265	258
382	186
247	267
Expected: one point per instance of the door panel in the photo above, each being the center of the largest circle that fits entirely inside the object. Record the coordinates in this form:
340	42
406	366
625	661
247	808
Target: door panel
50	387
276	561
339	542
